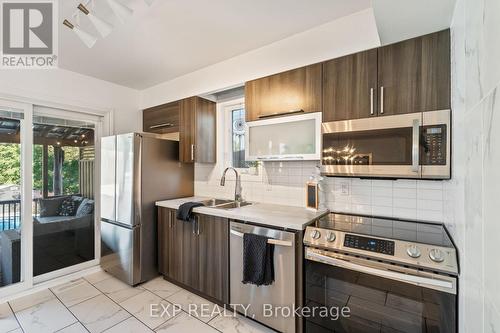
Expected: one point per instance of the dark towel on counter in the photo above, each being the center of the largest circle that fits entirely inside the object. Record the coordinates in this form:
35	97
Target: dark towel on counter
258	260
185	211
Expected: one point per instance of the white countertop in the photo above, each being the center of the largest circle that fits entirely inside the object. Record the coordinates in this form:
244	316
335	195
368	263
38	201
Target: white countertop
280	216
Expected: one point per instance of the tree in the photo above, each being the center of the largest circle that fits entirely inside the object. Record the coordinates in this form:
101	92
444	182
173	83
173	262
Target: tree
10	167
10	163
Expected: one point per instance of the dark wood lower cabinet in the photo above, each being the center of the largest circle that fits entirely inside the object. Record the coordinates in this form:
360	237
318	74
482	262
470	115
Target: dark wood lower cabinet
213	260
195	254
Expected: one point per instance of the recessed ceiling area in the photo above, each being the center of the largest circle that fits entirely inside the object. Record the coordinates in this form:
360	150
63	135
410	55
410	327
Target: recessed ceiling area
175	37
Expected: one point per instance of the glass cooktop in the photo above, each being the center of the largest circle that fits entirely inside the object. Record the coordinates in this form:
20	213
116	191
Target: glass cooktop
411	231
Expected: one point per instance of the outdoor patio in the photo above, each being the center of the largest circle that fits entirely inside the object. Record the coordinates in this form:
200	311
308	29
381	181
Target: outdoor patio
63	167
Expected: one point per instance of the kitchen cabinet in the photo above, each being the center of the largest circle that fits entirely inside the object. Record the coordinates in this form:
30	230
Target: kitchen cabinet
191	121
198	131
213	259
162	119
287	92
414	75
195	254
350	87
405	77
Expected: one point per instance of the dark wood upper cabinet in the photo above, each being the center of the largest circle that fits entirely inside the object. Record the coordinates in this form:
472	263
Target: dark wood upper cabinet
414	75
198	131
192	121
294	90
162	119
350	87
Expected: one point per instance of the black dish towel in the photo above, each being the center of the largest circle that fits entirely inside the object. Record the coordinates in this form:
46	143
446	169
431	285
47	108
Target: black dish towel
185	211
258	260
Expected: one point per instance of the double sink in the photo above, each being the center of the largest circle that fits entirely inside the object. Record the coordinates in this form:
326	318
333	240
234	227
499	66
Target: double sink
224	203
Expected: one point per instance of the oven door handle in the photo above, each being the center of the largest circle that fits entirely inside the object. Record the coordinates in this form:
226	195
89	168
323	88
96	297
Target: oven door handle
413	279
415	151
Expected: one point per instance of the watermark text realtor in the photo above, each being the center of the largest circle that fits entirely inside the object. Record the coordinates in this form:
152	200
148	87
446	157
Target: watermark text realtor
29	34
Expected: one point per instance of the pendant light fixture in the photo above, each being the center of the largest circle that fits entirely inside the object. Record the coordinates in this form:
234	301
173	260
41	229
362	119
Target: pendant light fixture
85	37
103	27
121	11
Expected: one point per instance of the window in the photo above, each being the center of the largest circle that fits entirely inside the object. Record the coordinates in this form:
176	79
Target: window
238	138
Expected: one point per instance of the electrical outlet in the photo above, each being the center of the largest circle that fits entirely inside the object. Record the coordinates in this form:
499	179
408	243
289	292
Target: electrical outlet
344	189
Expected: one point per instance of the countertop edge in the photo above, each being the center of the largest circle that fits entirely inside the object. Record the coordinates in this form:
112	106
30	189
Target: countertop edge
237	214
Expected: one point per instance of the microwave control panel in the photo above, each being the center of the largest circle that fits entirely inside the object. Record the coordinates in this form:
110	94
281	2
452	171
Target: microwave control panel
369	244
433	145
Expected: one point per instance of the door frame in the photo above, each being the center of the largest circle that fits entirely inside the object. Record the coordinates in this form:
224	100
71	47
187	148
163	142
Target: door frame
28	107
26	142
97	121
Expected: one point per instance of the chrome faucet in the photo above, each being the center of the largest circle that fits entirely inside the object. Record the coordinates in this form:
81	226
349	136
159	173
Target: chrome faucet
237	187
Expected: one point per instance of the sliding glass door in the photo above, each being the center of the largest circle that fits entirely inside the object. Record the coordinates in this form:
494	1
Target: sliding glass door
63	192
15	195
48	182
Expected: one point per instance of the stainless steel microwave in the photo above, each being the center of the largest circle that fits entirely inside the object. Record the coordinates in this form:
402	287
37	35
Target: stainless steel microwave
415	145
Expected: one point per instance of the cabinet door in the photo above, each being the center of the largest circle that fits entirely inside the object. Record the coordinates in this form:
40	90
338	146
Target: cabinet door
198	131
350	87
213	258
187	136
414	75
298	89
163	239
184	261
205	150
162	119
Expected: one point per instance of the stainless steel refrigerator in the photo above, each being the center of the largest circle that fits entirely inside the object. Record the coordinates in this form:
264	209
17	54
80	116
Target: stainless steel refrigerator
137	169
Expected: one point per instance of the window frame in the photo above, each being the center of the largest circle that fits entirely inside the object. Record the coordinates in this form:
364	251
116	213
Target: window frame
227	108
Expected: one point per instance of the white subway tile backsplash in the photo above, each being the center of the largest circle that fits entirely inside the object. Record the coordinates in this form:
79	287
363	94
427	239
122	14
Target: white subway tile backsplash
426	194
284	183
405	203
405	213
409	193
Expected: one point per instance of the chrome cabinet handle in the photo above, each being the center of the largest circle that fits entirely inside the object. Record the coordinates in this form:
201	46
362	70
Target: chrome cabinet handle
261	116
192	152
415	153
161	125
193	231
382	100
371	101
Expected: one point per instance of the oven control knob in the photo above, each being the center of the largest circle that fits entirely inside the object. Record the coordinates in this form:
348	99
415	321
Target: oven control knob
315	234
413	251
436	255
330	237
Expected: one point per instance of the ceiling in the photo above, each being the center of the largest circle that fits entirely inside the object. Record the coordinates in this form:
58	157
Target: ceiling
176	37
404	19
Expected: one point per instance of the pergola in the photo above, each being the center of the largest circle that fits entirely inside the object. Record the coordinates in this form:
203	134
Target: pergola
57	136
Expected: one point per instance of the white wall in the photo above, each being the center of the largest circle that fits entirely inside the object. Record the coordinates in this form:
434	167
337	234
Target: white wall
346	35
473	195
65	88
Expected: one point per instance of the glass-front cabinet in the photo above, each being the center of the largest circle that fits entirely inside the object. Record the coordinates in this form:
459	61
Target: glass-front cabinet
285	138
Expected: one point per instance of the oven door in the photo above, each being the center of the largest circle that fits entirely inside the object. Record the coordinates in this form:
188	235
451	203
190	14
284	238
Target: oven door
412	145
381	297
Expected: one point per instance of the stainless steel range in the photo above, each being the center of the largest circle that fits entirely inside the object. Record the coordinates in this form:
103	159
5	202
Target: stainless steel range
393	275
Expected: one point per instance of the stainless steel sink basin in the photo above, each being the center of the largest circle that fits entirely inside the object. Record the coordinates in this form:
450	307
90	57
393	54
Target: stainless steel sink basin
216	202
234	204
224	203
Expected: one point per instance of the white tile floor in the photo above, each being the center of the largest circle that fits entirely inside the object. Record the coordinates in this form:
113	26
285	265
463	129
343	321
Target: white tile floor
101	303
